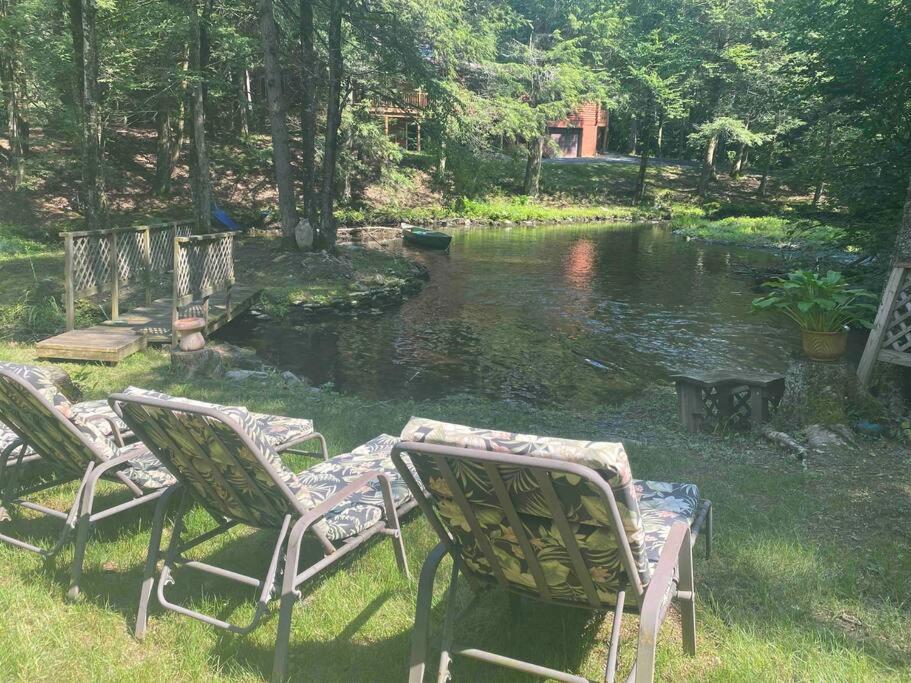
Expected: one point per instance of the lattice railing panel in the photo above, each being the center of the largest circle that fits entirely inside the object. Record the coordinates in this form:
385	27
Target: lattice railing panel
898	331
140	250
205	265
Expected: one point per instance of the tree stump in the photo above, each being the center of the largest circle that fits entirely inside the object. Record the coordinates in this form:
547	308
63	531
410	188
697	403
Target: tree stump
819	393
202	363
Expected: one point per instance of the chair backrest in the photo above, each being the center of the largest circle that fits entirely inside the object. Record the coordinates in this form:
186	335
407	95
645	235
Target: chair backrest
33	407
531	513
219	453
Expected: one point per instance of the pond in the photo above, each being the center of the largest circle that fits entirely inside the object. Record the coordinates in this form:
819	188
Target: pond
551	315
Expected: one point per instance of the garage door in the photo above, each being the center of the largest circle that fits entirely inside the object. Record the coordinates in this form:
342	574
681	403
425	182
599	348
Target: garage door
566	141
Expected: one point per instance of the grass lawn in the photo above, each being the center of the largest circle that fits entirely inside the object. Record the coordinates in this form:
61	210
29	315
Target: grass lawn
810	578
757	231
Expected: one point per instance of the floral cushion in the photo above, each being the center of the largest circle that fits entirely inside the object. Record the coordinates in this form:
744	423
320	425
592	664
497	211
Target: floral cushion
583	506
42	380
281	431
208	455
92	409
663	505
277	429
365	507
45	429
144	469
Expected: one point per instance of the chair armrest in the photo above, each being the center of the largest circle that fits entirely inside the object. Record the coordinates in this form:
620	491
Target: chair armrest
115	428
657	597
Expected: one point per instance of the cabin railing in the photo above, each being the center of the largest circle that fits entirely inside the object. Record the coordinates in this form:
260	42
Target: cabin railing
98	261
203	266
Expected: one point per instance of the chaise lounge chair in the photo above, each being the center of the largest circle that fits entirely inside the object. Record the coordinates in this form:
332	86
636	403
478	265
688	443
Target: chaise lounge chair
554	520
222	460
73	448
86	442
103	419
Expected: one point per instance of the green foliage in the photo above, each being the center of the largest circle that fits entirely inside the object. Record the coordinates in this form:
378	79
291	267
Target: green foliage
818	303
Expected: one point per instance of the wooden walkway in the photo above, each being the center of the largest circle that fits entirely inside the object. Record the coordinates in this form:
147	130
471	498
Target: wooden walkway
112	341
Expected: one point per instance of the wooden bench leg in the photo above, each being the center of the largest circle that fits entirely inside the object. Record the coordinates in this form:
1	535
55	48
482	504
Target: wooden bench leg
690	406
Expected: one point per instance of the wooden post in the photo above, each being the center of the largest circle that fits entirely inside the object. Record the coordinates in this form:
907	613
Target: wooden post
68	284
881	324
115	275
147	263
419	136
175	290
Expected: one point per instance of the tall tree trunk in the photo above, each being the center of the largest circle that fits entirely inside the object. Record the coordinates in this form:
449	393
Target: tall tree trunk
333	121
707	165
85	48
243	105
660	140
766	168
165	139
199	163
532	184
633	136
823	166
309	81
12	77
902	251
281	142
640	179
737	168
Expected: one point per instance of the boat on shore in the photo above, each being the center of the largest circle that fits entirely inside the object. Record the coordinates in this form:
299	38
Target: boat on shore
428	239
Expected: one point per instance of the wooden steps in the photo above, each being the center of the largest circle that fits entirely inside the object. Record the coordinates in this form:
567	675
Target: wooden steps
111	342
100	343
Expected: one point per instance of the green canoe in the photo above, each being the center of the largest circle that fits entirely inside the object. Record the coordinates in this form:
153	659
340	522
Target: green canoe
430	239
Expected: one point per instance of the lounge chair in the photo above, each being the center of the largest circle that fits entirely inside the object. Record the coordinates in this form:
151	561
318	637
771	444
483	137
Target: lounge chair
223	461
73	448
555	520
98	412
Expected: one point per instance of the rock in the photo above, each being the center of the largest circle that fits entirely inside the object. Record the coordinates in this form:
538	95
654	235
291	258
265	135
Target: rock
200	363
237	357
291	379
303	235
823	439
819	393
64	382
246	375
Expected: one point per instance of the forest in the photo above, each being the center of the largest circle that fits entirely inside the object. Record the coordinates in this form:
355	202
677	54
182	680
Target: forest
815	91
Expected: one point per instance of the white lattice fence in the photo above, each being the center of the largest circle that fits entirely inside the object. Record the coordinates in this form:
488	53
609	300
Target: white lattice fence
890	338
136	254
203	266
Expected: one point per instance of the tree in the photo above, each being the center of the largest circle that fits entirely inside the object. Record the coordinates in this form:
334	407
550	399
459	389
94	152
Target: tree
85	50
281	143
199	163
12	78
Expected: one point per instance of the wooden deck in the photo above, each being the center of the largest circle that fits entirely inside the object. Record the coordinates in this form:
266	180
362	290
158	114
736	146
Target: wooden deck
112	341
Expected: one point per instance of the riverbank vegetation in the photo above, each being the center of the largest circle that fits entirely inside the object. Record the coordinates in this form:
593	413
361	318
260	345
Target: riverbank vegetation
807	581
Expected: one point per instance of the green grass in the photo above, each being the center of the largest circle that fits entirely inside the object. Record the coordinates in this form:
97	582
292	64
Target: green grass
759	231
809	581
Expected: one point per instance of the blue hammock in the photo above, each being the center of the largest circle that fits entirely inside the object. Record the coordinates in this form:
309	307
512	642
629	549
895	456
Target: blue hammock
222	217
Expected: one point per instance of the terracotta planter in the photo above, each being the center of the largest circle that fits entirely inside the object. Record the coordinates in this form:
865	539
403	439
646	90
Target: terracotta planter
824	346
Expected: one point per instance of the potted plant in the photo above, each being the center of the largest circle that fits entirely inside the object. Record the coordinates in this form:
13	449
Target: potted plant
822	306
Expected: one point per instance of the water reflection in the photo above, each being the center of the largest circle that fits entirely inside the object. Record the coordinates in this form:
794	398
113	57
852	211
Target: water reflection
566	316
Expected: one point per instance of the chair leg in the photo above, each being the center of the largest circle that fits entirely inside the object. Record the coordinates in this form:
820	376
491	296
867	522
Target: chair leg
85	502
148	578
709	531
392	524
448	624
290	596
687	603
421	633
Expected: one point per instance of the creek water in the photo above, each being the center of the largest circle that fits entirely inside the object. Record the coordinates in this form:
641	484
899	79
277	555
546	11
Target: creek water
551	315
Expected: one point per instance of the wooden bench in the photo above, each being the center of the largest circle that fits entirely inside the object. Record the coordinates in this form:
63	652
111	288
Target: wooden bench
722	397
